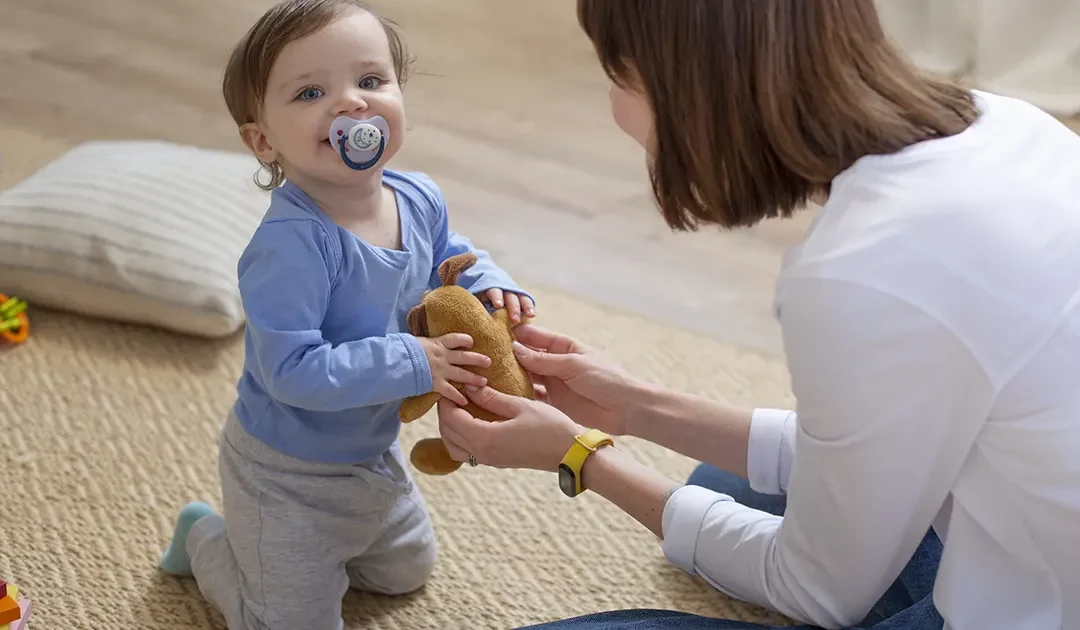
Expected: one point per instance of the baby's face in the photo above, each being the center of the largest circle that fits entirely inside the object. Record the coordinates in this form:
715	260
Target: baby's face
345	69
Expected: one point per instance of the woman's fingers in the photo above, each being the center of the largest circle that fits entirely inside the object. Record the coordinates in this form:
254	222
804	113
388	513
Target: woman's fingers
451	437
536	337
562	366
540	386
496	402
533	436
546	340
457	453
468	434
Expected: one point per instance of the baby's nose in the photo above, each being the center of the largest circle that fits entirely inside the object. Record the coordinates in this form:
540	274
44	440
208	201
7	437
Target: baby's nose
351	102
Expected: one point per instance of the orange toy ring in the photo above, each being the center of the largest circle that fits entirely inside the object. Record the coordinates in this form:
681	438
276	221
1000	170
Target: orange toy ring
20	334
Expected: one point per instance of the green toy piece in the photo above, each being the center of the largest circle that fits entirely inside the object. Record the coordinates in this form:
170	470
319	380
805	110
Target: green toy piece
14	324
9	312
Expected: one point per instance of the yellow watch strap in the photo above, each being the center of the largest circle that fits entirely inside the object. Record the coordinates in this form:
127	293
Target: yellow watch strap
584	445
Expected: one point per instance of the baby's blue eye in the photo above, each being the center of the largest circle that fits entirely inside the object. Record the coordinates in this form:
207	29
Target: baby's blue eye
369	83
310	94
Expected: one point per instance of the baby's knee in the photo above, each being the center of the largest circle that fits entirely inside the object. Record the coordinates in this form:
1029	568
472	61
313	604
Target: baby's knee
412	576
404	575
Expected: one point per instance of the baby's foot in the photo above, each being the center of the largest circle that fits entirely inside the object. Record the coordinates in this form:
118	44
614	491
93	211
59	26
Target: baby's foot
176	560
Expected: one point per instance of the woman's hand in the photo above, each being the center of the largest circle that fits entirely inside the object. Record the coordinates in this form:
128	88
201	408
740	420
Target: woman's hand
535	435
579	381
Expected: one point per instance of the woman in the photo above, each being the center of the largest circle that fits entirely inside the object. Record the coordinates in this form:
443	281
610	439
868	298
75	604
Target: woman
931	322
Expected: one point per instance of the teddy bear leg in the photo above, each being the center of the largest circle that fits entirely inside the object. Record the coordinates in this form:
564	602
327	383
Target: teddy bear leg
430	457
414	407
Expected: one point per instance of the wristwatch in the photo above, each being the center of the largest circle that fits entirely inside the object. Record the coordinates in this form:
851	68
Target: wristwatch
570	467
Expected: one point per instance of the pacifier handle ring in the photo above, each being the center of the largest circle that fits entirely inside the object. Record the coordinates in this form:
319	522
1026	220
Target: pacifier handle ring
359	166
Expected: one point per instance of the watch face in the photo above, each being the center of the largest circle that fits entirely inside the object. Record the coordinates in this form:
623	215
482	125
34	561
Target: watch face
567	482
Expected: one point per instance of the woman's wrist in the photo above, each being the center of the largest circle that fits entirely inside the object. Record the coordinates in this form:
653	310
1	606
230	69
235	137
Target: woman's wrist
644	402
565	441
691	425
635	488
596	460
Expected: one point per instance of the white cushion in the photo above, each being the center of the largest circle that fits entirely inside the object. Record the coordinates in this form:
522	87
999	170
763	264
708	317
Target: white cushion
137	231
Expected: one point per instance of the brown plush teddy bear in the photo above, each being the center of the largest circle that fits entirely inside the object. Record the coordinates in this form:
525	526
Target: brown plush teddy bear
452	309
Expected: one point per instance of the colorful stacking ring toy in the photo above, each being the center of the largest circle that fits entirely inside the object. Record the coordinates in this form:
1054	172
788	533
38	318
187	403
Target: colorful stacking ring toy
14	324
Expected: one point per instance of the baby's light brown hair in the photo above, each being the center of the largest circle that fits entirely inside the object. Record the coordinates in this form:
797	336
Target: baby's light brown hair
248	69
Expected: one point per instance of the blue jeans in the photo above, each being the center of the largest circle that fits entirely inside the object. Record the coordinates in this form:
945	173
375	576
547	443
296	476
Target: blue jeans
907	605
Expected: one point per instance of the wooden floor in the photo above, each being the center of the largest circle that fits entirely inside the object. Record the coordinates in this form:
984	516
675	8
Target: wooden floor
508	111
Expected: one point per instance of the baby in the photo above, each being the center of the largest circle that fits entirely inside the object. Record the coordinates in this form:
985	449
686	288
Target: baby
317	496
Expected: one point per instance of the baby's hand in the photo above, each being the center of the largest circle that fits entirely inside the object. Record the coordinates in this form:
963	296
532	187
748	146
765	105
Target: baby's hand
445	355
516	305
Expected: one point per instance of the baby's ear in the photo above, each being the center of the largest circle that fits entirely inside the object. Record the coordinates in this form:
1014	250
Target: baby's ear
258	143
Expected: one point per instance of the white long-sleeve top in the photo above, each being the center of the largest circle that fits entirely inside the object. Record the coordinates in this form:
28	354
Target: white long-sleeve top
931	323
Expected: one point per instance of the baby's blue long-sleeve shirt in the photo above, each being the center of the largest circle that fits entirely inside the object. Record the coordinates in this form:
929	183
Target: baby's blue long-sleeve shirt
328	354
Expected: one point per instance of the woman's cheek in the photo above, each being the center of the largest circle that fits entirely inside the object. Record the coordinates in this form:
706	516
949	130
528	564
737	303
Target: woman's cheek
631	114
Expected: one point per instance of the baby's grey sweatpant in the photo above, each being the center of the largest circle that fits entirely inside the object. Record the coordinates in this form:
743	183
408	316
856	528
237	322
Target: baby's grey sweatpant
296	535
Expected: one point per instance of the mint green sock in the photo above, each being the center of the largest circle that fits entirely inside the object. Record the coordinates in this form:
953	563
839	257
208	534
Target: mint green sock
176	560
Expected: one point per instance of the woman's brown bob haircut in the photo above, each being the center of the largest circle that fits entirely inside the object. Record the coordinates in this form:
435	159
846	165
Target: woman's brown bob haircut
759	104
248	69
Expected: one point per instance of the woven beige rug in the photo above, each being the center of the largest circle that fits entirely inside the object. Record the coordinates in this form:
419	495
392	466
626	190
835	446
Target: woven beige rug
107	429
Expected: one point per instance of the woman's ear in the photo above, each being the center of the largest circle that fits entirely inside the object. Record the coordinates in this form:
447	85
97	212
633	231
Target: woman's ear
256	140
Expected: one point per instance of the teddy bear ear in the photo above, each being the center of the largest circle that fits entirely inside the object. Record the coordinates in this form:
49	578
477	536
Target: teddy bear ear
453	266
418	321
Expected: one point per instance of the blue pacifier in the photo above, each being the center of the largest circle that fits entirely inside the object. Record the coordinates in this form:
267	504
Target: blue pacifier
360	142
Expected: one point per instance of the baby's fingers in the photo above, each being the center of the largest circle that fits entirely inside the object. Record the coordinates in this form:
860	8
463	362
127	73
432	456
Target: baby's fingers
495	296
527	306
453	341
513	307
462	357
447	390
465	377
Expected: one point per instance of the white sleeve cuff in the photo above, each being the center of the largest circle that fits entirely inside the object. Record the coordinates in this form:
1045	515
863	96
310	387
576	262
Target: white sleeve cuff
684	513
767	463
